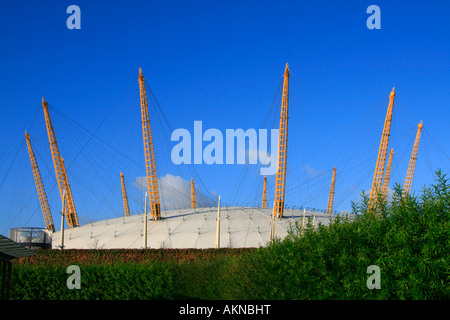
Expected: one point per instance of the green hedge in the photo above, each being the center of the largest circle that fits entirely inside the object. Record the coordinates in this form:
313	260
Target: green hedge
409	240
112	256
124	281
172	279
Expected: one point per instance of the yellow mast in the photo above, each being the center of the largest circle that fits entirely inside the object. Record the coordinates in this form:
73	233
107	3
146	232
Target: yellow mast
387	175
381	159
280	180
150	165
126	207
331	196
60	170
40	187
69	191
412	163
264	197
193	202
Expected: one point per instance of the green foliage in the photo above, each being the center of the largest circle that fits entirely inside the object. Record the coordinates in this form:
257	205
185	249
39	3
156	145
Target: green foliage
119	281
408	239
124	274
111	256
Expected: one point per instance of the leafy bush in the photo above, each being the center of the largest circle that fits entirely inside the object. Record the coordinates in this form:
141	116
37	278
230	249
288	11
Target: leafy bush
408	239
124	281
123	274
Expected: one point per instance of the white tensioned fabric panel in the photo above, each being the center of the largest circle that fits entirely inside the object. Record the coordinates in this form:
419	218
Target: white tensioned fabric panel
187	228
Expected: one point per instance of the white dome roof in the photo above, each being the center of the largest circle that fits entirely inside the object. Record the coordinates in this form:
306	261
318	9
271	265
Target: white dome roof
186	228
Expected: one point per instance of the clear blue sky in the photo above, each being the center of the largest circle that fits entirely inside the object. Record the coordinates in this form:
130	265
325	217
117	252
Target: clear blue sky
219	62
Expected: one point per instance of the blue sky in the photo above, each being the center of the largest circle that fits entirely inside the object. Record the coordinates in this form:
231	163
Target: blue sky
219	62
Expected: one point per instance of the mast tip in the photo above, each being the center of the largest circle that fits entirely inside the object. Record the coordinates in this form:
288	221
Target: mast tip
286	71
392	92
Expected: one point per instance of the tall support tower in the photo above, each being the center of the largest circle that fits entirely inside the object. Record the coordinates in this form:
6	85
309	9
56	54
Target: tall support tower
193	201
387	175
381	159
40	187
264	197
150	165
61	174
331	196
126	207
412	163
280	180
